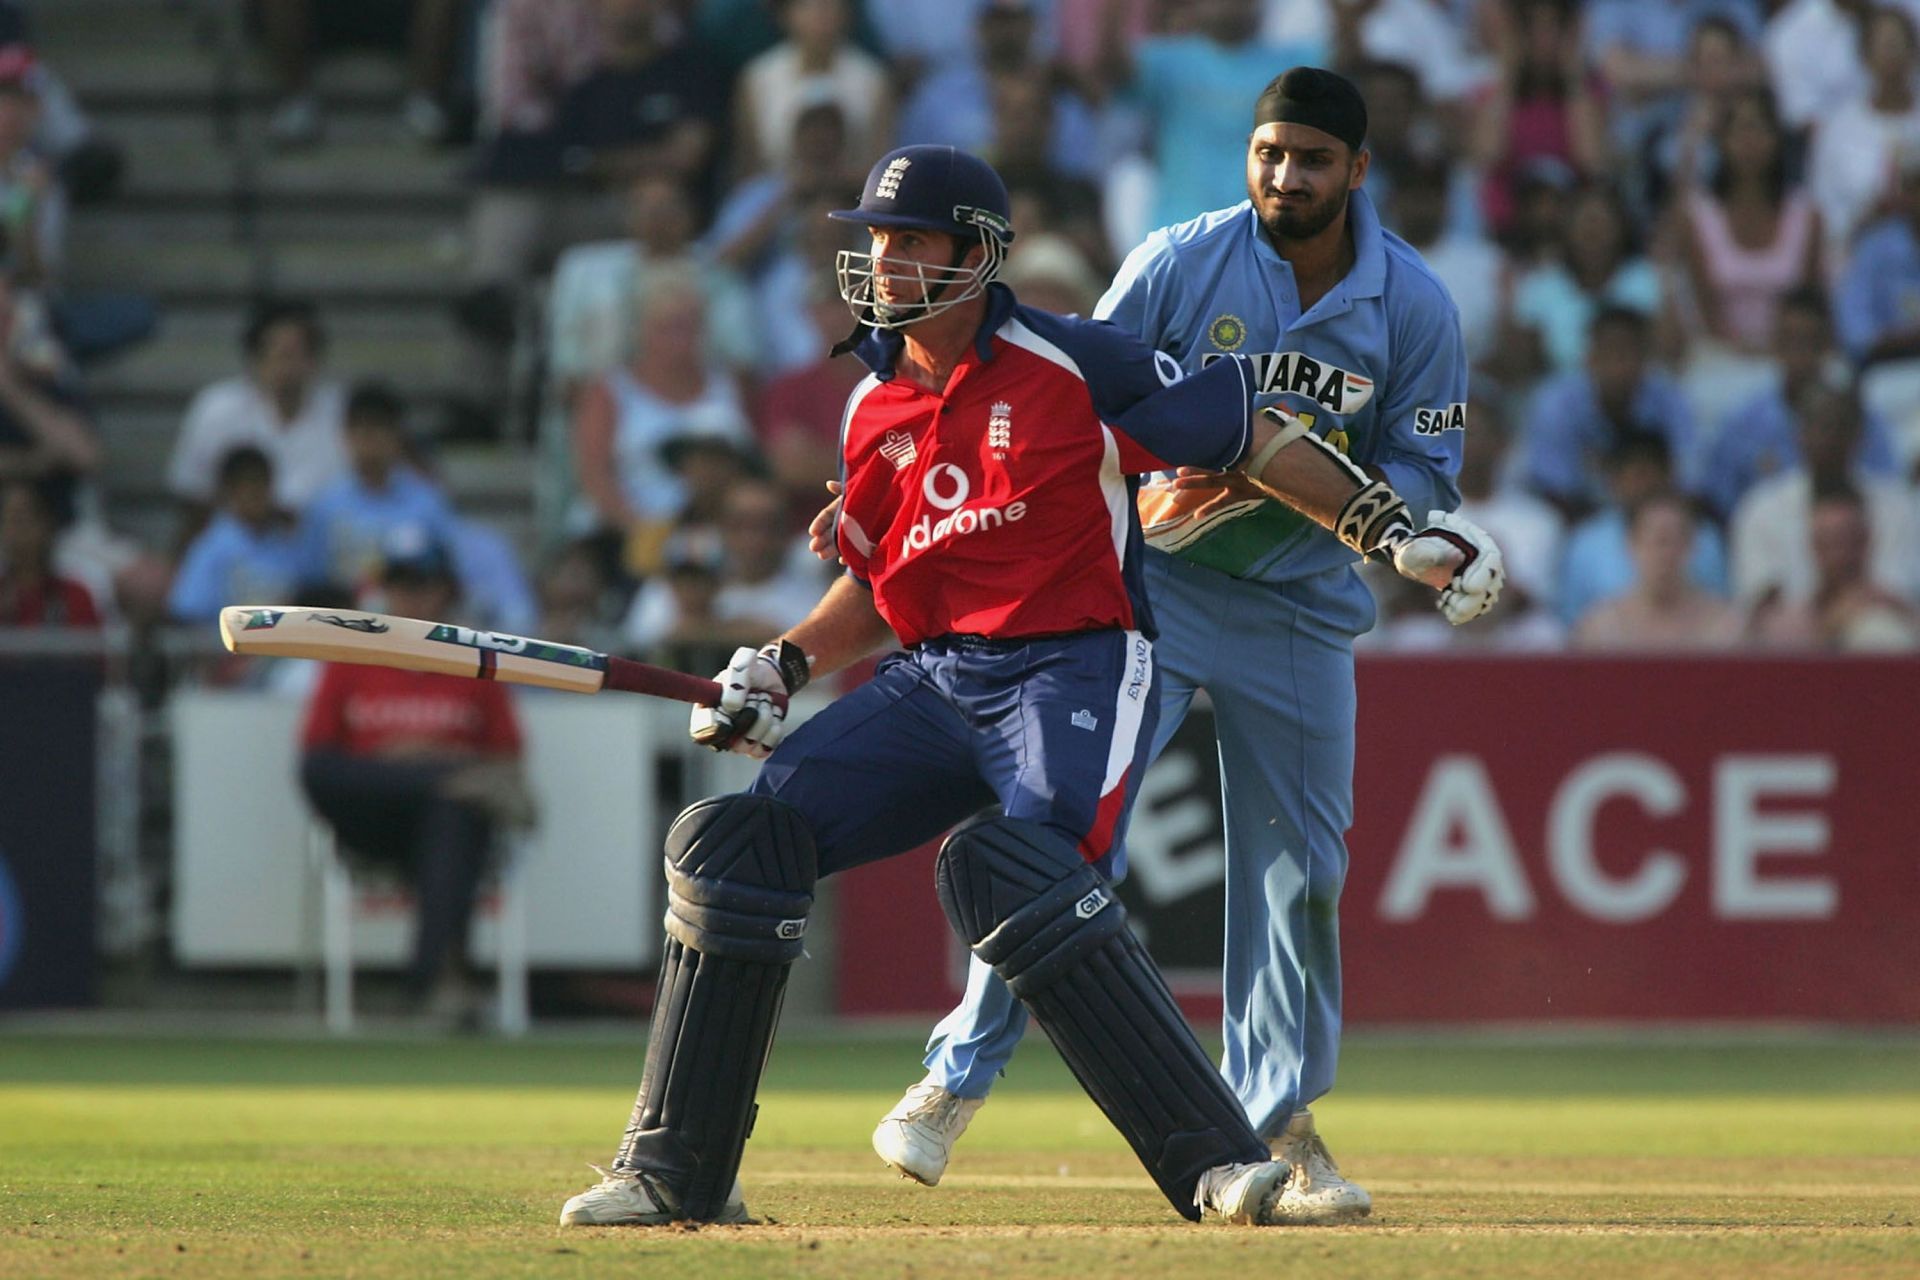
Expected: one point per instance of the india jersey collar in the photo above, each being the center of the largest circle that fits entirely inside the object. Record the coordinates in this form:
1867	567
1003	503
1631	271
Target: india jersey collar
1367	278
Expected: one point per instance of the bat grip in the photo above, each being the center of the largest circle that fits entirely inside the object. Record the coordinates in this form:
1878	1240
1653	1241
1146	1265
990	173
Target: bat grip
629	676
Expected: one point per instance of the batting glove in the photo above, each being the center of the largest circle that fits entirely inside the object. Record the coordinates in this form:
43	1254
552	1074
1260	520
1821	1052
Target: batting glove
748	718
1457	557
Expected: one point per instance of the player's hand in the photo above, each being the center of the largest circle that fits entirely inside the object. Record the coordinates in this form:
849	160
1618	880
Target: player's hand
820	531
748	718
1233	482
1457	558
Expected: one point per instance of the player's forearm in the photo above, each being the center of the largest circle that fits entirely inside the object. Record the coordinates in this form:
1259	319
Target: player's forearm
1300	473
842	629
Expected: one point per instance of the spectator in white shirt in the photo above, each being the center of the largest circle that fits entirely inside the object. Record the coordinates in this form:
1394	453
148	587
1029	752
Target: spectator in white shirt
1772	546
1856	142
282	404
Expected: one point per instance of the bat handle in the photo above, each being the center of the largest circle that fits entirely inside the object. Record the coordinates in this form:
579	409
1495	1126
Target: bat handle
629	676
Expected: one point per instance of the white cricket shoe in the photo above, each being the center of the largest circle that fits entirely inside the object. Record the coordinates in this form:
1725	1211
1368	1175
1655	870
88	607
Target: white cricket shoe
1316	1194
916	1138
1243	1193
637	1199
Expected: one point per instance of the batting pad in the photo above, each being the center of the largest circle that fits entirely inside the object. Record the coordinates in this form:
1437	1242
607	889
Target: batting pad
1050	926
740	872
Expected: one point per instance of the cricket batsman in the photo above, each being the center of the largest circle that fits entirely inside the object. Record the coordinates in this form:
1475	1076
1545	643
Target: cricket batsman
989	529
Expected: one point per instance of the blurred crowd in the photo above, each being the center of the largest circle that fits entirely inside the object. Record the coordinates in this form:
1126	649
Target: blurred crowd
1683	236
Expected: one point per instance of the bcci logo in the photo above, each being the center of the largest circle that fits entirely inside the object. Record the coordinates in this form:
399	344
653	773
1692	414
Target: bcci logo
1227	333
888	188
1000	429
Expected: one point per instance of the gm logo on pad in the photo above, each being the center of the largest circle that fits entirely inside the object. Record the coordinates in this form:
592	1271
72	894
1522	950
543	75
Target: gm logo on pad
1092	905
790	930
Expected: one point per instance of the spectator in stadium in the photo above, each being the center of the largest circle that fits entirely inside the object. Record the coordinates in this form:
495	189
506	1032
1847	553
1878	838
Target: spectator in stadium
1849	611
1045	200
816	56
1048	271
1772	546
1475	271
1192	88
1541	107
90	165
917	37
576	600
1599	265
44	435
598	286
282	403
1760	437
1812	51
344	528
418	773
796	333
1858	139
32	593
622	421
1721	66
1640	52
1663	610
764	576
296	30
763	214
1751	234
33	204
1598	563
796	416
954	104
246	554
1877	309
1425	37
1576	418
494	591
1528	531
652	104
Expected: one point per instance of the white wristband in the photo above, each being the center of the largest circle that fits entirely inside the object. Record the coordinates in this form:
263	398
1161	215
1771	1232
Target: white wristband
1290	429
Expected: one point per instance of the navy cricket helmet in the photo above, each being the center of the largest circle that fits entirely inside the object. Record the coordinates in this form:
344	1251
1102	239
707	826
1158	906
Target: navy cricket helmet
934	188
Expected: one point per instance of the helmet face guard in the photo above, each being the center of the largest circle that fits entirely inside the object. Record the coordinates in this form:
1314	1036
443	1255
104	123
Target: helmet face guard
940	288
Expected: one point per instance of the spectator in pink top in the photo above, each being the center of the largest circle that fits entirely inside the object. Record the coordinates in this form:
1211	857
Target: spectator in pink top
1750	234
1543	104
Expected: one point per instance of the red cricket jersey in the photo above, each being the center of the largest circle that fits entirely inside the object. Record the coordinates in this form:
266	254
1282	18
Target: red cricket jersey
1003	506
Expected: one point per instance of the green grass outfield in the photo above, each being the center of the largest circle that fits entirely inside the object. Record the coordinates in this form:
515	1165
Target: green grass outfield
216	1158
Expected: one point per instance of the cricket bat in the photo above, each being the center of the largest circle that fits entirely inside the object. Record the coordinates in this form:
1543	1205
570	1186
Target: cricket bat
382	640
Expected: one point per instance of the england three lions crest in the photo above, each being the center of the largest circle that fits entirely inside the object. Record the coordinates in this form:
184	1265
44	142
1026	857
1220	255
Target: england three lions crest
1000	429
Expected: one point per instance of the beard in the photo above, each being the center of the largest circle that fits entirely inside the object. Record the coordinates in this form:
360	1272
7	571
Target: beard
1296	222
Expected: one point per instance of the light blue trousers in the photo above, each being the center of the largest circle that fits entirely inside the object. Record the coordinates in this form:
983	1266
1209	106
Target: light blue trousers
1277	662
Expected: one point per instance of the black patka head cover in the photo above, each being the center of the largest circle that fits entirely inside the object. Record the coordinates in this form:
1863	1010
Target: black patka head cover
1314	96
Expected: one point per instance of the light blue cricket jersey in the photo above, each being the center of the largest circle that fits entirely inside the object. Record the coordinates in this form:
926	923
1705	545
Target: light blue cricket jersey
1377	366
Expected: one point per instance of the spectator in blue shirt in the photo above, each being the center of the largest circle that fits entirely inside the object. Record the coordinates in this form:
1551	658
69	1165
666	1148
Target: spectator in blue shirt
953	105
349	520
1877	309
1193	89
1761	437
1578	418
1598	563
246	555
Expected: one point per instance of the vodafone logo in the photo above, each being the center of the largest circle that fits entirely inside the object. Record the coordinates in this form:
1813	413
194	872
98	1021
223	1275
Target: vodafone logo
946	486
